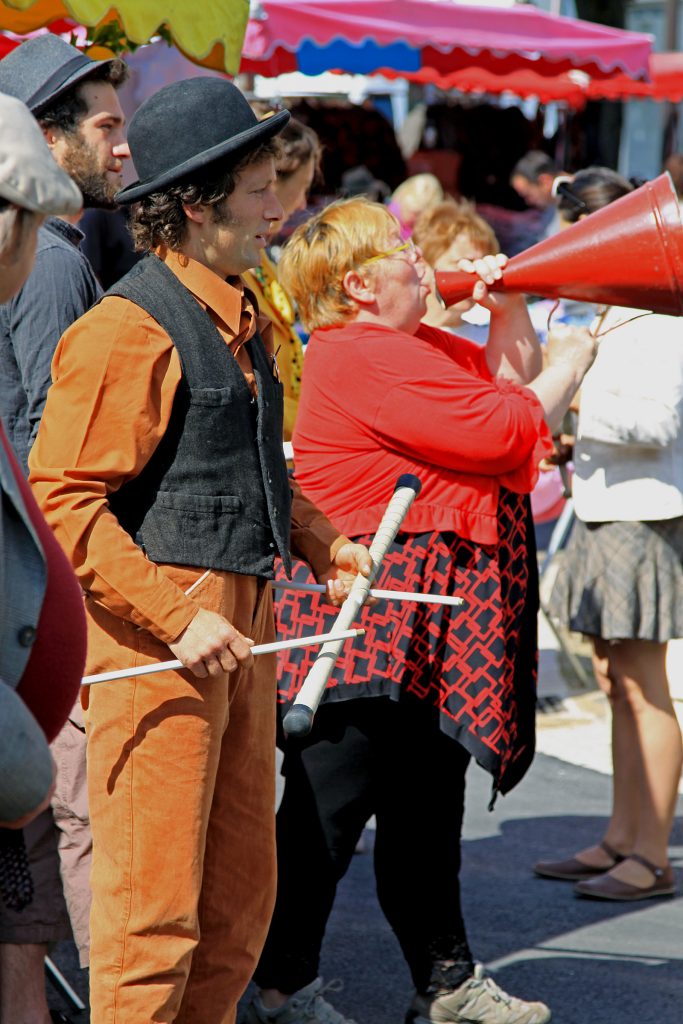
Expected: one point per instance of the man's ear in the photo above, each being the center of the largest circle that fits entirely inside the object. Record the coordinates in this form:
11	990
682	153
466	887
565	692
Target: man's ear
197	213
359	287
51	134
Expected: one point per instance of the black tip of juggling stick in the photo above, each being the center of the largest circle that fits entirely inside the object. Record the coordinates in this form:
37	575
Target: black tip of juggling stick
298	721
409	480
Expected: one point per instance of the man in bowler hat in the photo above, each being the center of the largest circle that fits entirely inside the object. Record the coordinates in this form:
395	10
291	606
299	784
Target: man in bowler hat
74	99
159	465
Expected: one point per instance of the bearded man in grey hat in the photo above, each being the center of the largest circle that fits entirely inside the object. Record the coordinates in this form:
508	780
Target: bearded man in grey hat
75	102
159	465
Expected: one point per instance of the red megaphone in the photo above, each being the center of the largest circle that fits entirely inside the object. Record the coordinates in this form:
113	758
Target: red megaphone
630	253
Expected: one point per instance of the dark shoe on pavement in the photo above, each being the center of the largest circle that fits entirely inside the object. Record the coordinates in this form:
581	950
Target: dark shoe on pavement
575	870
606	887
306	1006
477	1001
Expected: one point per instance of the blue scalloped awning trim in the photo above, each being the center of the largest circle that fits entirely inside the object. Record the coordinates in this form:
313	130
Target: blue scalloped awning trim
361	60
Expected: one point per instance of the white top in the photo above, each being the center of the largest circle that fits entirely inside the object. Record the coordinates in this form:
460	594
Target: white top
629	451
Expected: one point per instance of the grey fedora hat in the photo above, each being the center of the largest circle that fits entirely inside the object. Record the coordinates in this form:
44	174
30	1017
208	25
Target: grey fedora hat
186	126
40	70
29	176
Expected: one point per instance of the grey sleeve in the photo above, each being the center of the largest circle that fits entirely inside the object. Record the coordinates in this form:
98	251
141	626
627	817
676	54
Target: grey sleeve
25	760
60	289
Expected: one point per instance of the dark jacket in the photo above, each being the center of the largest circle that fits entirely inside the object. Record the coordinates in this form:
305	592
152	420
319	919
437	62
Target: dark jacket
60	289
216	492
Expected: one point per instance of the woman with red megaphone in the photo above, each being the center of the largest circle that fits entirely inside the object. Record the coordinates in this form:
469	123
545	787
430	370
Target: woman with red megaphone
386	394
622	579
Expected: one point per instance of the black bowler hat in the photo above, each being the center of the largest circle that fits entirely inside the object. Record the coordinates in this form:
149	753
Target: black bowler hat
40	70
188	125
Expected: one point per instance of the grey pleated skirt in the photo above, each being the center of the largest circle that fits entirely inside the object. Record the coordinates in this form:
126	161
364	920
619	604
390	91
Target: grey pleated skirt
622	581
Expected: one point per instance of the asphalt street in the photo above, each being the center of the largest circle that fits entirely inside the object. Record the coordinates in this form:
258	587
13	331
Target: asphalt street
592	962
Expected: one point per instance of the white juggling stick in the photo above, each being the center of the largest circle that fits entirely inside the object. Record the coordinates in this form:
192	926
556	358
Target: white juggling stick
299	718
171	666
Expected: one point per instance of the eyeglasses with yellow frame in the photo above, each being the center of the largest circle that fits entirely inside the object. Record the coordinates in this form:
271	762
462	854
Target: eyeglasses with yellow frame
411	250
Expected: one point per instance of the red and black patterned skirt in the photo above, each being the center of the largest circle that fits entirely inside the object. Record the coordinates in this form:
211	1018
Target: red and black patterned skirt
476	663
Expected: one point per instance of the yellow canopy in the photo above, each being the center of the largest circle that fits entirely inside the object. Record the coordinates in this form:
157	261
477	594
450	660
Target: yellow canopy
209	33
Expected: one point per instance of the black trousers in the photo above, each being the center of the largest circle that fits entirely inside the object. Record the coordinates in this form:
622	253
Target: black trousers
363	757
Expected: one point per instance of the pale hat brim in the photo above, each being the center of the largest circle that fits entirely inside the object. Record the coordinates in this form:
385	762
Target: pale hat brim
29	176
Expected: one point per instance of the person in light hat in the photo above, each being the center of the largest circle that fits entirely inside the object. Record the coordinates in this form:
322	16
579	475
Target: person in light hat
159	464
39	595
75	102
32	187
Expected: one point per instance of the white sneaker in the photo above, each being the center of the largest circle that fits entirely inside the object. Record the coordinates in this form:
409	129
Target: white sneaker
306	1006
477	1001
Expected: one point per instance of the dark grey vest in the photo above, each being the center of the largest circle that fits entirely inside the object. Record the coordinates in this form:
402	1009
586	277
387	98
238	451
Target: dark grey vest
215	493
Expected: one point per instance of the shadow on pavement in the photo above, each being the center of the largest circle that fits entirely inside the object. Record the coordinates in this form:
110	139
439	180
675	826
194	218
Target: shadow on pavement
592	962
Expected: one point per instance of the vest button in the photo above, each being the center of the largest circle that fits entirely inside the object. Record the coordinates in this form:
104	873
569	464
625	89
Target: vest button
26	636
271	545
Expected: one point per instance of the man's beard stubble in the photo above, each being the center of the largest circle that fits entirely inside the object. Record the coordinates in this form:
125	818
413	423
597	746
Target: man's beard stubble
81	164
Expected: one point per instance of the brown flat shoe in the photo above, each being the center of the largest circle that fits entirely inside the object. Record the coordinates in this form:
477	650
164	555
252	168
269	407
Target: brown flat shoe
608	888
574	870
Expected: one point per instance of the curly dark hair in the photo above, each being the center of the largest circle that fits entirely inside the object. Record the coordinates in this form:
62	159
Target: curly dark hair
298	145
70	108
159	219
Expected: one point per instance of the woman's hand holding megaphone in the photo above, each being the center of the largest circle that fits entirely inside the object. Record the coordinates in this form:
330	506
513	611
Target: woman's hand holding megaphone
512	349
490	270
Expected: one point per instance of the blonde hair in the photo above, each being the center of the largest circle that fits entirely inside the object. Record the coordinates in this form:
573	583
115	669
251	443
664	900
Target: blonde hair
417	193
437	229
321	251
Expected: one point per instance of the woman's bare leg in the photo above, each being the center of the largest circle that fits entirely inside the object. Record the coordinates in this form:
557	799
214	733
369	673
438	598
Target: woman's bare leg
623	825
649	747
647	755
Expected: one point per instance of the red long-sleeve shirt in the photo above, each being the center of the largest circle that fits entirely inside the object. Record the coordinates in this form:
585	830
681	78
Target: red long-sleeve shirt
377	402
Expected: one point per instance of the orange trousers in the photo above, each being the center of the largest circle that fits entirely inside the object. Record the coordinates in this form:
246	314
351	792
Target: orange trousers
181	780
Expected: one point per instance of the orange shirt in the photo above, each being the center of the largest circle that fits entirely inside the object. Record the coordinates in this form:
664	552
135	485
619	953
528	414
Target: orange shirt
115	374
